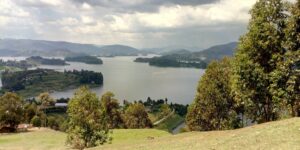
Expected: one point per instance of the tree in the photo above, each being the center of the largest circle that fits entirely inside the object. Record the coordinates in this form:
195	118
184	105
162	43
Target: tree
46	100
258	53
87	122
11	110
165	110
111	108
214	107
30	110
137	117
286	78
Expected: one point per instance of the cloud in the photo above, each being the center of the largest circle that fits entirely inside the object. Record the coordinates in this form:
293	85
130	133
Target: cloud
142	5
139	23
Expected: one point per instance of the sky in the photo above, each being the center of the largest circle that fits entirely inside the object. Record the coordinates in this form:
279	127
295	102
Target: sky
137	23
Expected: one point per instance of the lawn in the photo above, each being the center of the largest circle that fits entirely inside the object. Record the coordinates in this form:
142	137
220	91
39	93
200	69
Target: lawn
46	139
284	134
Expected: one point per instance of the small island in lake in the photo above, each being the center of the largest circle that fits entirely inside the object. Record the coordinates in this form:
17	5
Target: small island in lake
85	59
172	61
30	83
37	60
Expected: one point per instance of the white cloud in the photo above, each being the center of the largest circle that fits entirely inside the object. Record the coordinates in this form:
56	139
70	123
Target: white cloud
86	6
226	11
8	8
78	22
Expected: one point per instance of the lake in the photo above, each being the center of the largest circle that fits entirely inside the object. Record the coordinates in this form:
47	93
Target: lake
137	81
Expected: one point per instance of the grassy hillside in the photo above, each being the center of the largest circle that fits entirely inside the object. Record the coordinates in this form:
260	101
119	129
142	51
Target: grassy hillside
283	134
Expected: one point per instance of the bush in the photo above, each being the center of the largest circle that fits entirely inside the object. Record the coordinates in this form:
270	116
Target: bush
137	117
53	123
36	121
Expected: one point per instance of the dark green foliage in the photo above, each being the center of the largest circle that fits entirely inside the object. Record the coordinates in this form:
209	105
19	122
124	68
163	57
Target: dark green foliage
87	122
136	117
174	60
286	78
30	110
85	59
258	54
142	60
36	121
214	108
87	77
112	110
180	109
37	60
53	122
11	110
154	106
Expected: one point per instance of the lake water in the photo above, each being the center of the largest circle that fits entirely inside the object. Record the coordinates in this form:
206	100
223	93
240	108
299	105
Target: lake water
137	81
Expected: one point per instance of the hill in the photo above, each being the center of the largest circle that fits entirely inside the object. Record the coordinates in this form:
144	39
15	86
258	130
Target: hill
216	52
282	134
117	50
27	47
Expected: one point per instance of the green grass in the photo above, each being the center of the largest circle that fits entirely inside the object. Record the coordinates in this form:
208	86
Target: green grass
37	140
54	140
284	134
170	123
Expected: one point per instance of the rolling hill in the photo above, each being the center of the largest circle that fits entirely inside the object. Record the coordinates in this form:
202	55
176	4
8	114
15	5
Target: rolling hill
282	134
216	52
27	47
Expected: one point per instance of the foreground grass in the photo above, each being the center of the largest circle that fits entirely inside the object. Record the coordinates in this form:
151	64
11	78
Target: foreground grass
283	134
46	139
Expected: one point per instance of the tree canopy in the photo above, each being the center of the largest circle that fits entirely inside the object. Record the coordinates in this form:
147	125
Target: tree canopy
214	108
137	117
87	122
11	110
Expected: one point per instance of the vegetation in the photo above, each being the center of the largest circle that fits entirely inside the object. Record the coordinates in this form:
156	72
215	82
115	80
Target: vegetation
174	60
37	60
259	52
263	81
85	59
170	123
45	100
136	117
22	65
87	123
111	108
286	79
11	110
32	82
36	121
214	108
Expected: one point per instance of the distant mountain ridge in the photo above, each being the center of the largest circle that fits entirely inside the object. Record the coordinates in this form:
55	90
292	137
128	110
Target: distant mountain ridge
213	53
27	47
216	52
